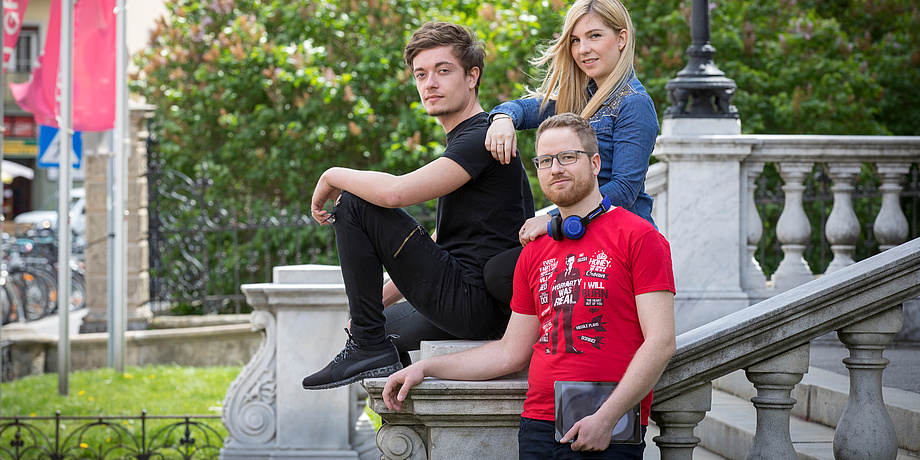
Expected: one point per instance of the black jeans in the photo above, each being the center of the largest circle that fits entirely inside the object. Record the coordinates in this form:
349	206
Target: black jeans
499	274
444	304
537	441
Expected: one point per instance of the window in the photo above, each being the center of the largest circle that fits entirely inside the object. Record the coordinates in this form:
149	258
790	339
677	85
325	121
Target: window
26	50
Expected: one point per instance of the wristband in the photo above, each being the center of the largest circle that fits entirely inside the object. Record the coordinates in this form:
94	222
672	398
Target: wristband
501	116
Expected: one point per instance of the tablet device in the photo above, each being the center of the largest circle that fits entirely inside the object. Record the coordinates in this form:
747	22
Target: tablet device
577	400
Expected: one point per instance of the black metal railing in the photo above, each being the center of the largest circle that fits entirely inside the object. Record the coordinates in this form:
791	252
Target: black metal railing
202	251
112	437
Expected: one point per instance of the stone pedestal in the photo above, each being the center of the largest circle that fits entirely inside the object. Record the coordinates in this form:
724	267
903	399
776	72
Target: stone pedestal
97	232
267	412
703	228
449	419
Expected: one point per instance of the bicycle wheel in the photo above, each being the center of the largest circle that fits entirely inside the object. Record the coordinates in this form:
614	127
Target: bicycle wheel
77	291
6	303
35	301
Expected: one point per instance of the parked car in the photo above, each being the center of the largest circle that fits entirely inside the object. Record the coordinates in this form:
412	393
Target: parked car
47	215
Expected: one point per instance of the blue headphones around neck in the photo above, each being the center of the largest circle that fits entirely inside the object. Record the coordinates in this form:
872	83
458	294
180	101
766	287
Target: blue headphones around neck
573	227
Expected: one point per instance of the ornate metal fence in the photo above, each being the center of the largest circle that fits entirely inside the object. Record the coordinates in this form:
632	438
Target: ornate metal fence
201	251
111	437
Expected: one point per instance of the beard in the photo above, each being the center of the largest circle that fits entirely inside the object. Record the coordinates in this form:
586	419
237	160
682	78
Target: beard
575	192
442	111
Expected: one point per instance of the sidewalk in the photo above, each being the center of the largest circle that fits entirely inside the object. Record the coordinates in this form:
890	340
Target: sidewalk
903	372
50	326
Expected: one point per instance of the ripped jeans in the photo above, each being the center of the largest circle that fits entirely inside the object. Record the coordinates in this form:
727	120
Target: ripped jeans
441	303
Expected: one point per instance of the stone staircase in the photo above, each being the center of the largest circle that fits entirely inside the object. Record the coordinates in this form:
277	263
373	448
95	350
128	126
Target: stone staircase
728	429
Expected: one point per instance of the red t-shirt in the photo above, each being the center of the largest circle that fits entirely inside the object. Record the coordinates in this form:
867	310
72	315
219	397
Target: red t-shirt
584	294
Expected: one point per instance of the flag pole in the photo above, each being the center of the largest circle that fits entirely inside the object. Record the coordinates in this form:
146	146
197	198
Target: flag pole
65	179
121	149
2	133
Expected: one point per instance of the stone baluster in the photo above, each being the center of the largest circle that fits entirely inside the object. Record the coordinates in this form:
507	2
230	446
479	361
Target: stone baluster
752	277
842	227
774	380
890	225
793	229
676	418
865	430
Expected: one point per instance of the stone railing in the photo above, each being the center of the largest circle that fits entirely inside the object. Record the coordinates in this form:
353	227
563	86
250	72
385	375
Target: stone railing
705	186
770	341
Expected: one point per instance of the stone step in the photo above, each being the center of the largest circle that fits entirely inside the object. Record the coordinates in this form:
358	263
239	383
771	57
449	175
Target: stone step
652	452
728	430
822	396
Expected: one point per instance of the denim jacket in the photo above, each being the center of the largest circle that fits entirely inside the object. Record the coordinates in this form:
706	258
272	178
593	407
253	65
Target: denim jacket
626	127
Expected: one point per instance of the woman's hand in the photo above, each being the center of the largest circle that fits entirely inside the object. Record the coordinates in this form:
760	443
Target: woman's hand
533	228
501	139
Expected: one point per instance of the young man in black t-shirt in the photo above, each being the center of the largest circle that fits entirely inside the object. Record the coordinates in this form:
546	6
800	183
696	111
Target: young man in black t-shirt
481	205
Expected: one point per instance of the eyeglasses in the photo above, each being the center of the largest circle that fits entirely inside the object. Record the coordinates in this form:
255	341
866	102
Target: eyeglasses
565	157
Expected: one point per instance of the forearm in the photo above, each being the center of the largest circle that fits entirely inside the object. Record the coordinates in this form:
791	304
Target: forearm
639	379
621	192
391	294
374	186
482	363
525	113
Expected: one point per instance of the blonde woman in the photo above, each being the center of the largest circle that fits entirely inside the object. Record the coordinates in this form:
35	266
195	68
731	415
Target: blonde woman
589	71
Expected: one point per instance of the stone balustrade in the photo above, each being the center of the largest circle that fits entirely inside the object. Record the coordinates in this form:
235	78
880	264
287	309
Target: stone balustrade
705	206
704	188
268	414
770	341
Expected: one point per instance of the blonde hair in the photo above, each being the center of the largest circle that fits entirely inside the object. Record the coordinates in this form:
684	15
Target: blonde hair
564	81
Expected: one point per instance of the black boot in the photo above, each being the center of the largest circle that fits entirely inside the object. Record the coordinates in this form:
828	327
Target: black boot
355	363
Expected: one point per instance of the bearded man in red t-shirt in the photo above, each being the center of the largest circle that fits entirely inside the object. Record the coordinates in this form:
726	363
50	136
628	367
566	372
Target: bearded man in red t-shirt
623	320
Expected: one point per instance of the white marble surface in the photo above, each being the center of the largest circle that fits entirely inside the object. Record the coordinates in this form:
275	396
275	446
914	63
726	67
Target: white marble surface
267	411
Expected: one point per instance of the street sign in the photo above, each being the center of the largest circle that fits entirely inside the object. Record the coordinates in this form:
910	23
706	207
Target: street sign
49	148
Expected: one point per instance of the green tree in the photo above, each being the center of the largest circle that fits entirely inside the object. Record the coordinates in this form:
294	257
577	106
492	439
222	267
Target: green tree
265	95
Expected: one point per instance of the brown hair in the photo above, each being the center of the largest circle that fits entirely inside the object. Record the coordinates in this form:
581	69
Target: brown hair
467	49
579	125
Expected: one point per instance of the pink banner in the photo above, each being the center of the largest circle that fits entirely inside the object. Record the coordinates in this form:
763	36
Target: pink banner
93	69
13	10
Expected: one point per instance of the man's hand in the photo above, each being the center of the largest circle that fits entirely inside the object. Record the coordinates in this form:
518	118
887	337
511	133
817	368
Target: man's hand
398	385
592	432
533	228
501	140
323	192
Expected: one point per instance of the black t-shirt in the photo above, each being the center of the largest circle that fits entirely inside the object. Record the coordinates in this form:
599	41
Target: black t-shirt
482	217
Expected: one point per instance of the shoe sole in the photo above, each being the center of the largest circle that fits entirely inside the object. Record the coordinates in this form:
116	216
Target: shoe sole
371	374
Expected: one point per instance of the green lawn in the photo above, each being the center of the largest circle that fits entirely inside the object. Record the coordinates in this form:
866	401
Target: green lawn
160	390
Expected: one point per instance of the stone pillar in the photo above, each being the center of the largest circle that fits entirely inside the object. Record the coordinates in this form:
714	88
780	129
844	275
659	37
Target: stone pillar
890	225
704	224
842	227
137	256
267	412
774	379
753	280
677	418
792	229
865	430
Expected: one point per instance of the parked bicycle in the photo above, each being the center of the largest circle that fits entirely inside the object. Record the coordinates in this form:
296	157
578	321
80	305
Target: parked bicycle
29	273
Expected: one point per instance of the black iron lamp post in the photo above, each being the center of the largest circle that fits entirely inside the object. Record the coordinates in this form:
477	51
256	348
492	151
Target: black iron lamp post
701	90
